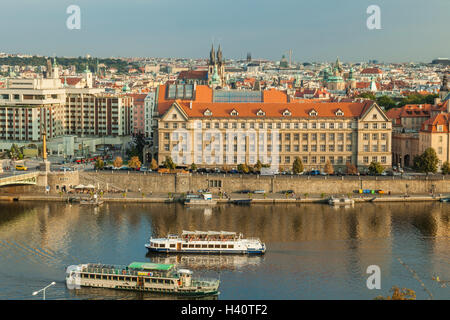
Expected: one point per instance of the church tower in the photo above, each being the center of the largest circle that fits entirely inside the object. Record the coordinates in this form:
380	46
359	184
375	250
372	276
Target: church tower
216	68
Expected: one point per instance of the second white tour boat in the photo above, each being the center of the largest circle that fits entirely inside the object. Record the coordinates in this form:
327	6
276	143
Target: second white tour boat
207	242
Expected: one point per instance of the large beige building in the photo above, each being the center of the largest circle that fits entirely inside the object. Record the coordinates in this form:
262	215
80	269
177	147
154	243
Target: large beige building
218	135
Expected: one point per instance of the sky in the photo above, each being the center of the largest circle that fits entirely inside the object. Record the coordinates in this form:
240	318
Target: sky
315	30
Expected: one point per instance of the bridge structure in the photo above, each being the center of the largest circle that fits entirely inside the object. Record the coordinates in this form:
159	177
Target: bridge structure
29	178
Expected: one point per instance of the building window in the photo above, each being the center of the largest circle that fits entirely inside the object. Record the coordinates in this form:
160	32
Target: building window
366	159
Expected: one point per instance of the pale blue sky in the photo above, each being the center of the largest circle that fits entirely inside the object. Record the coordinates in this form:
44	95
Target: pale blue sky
412	30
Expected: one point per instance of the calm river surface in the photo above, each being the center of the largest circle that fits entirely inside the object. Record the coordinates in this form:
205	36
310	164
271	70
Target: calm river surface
313	251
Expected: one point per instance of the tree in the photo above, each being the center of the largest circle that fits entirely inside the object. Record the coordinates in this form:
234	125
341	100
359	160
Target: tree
153	164
427	161
169	164
399	294
445	168
118	162
134	162
99	164
138	146
297	166
329	167
257	166
351	168
193	167
375	168
243	168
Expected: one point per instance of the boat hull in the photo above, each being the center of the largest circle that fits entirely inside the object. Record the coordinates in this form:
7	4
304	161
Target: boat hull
219	251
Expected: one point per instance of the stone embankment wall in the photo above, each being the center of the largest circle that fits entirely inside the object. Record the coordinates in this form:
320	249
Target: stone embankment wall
155	182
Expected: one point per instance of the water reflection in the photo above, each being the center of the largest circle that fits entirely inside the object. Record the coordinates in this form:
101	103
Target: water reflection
314	251
208	261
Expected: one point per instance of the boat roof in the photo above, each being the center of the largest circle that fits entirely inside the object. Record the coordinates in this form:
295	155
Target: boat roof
209	233
150	266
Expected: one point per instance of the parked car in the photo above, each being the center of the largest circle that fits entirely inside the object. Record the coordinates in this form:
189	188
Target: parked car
259	191
21	167
245	191
314	173
233	171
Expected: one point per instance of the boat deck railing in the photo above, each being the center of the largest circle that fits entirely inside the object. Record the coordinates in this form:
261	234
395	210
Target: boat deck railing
124	270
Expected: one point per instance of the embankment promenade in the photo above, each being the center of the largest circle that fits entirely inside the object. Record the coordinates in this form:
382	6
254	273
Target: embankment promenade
230	183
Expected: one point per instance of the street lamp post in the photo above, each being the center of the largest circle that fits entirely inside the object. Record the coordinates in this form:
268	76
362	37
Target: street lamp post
43	289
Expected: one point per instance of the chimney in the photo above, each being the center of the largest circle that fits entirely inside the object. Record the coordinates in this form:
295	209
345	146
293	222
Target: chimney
190	104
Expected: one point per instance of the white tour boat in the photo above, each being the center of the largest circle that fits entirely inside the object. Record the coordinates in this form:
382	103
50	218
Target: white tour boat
207	242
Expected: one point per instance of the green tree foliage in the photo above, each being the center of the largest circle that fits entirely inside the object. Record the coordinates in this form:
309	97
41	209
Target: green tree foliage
445	168
297	166
99	164
121	65
243	168
15	152
375	168
427	161
193	167
389	102
138	147
169	164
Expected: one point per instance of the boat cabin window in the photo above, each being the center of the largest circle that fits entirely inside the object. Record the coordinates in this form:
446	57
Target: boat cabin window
97	276
191	246
230	246
147	280
172	245
224	245
197	246
162	245
217	246
184	245
204	246
210	246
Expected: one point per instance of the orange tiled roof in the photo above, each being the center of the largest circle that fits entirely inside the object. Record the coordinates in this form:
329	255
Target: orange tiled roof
271	110
431	125
410	111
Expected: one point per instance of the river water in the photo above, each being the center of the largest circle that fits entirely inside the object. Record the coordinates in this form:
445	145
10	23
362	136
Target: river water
314	251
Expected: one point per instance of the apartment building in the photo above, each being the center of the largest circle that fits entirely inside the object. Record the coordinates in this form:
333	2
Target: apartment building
29	107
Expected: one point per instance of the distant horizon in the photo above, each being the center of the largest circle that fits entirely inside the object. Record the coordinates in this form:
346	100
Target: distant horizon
233	59
409	30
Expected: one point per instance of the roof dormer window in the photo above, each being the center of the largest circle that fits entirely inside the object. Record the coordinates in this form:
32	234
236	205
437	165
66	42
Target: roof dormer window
313	113
339	113
207	113
287	113
260	113
234	113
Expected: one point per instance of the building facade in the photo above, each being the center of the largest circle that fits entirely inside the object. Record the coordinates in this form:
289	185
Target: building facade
220	135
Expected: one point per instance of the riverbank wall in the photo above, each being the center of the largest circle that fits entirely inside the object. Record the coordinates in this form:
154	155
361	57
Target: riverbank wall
182	183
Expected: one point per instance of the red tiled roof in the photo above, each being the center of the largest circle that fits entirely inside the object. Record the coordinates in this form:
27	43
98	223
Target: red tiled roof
193	74
70	81
371	71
